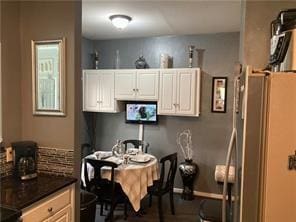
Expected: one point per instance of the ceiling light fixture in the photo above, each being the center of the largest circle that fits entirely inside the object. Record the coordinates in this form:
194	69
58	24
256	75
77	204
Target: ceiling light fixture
120	21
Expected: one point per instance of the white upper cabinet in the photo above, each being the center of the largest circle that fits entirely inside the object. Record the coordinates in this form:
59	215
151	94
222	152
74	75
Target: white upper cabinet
147	84
167	92
107	101
91	84
98	91
186	88
179	92
125	84
136	84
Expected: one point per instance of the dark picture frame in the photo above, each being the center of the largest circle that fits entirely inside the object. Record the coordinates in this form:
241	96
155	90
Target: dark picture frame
219	94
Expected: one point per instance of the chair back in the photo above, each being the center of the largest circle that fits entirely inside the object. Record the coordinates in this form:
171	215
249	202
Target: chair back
85	149
97	184
136	144
166	181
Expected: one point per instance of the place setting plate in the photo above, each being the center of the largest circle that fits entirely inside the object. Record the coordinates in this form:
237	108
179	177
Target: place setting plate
140	159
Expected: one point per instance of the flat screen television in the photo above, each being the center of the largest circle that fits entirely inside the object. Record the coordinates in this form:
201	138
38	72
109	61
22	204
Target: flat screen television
141	112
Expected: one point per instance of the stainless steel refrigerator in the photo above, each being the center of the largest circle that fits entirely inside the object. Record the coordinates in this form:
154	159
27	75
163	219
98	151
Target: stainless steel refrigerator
263	147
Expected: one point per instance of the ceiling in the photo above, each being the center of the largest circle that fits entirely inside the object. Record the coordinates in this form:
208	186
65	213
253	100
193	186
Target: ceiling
157	18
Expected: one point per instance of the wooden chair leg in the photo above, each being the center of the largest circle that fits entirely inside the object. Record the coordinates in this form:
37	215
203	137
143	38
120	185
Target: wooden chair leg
160	213
150	200
125	210
172	202
111	212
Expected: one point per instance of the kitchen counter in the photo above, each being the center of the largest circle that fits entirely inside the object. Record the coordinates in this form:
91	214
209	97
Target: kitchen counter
20	194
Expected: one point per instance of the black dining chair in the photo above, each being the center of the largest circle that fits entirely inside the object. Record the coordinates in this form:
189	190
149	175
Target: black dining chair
165	184
107	191
136	144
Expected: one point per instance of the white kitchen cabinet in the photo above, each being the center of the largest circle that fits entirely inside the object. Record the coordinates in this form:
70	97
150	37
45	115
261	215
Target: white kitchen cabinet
167	92
125	84
98	91
147	85
57	207
179	92
136	84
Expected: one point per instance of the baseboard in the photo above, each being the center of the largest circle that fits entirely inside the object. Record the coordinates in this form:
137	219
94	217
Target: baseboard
202	194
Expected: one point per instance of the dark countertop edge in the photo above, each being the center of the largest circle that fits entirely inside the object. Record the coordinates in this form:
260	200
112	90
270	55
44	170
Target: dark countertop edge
34	200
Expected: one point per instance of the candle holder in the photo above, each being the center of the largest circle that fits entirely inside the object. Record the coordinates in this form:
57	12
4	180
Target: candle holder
96	60
191	48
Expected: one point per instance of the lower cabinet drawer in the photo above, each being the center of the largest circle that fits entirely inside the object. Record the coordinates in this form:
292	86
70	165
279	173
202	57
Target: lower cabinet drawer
63	215
47	208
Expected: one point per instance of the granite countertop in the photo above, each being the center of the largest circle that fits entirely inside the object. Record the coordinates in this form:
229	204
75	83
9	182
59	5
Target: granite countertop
19	194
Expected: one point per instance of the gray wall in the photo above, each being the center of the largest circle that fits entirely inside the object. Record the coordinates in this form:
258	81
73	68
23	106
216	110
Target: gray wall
87	49
211	131
255	42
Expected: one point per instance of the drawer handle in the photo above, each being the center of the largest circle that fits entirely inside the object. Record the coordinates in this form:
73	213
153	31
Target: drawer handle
49	209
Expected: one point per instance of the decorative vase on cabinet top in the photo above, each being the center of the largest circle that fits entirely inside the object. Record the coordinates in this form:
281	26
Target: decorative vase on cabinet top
141	63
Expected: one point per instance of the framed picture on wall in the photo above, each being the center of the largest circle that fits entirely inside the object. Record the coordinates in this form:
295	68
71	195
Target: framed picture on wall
219	94
48	66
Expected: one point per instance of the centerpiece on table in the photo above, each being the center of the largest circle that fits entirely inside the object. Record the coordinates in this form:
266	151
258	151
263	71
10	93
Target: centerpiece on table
118	150
188	169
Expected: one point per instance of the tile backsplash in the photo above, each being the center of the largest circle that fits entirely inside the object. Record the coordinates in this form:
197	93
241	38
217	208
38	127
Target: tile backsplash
53	161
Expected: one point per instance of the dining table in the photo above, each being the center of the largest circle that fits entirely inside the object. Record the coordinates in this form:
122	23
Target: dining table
134	175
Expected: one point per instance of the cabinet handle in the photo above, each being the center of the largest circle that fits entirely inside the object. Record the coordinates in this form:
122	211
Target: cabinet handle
134	90
137	90
49	209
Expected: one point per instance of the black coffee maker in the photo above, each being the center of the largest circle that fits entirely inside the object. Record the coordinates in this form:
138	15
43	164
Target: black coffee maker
24	155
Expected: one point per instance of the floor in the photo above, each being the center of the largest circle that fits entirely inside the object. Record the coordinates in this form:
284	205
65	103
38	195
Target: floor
185	211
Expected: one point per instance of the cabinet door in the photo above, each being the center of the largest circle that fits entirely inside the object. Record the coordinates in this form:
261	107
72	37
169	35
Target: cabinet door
167	92
186	88
107	91
91	90
63	215
147	84
125	84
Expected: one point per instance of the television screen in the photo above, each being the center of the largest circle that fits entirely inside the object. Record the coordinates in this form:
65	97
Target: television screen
141	112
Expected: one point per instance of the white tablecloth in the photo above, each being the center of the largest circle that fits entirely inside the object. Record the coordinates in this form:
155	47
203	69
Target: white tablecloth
133	178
